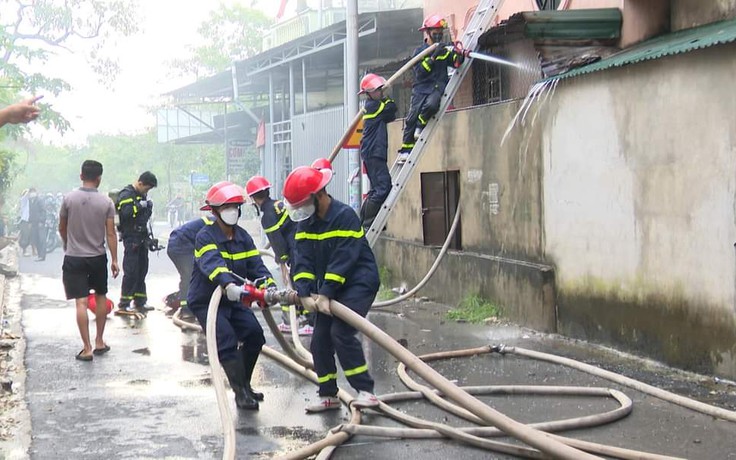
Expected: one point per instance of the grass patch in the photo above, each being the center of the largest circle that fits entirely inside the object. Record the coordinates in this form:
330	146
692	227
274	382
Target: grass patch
474	309
385	292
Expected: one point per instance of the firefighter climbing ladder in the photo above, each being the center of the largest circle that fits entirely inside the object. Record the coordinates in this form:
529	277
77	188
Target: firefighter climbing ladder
400	173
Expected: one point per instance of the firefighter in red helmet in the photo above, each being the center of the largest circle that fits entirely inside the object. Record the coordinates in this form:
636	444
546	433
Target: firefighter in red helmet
430	80
379	111
222	251
333	261
279	230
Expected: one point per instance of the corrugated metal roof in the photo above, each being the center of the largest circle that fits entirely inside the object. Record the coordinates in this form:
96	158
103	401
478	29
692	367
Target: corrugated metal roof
587	26
682	41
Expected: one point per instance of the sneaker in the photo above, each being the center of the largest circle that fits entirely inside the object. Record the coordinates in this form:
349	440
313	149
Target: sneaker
402	158
285	328
325	403
365	399
306	330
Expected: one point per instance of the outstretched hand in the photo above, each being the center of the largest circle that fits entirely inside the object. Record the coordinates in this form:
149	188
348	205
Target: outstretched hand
20	112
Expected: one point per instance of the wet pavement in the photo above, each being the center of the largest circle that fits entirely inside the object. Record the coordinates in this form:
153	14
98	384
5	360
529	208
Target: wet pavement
150	396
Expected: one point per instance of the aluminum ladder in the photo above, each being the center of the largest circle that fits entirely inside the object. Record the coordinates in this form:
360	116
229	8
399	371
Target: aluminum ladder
401	173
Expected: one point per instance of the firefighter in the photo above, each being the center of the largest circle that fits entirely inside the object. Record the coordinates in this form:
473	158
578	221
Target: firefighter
279	230
135	210
379	111
333	261
180	250
222	251
430	80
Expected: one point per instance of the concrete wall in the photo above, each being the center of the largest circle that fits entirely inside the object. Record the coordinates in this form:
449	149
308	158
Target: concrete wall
639	204
624	181
691	13
501	222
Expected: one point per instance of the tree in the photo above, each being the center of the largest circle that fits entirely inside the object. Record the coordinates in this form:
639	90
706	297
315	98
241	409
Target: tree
230	33
31	30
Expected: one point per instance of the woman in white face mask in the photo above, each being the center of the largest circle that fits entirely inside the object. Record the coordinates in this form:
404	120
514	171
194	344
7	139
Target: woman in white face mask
223	254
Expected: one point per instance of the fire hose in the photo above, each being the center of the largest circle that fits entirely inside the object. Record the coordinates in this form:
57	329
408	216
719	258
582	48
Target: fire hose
548	444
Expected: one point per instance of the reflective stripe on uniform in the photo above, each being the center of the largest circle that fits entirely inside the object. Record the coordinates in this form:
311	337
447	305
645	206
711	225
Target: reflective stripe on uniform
238	255
368	116
356	371
332	234
425	64
407	146
266	282
207	221
334	277
443	57
209	247
140	294
304	276
278	225
217	271
327	378
128	200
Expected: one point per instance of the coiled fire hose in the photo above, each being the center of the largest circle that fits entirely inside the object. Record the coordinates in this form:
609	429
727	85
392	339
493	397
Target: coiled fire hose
425	429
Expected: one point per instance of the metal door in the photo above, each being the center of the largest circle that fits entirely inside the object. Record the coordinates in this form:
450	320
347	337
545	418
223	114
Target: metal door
440	195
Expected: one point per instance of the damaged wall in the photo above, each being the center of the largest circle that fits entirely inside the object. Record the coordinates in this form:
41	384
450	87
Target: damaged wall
626	185
639	197
501	222
692	13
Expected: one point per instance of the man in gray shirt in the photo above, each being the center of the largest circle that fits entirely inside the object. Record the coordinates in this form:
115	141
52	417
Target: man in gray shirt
85	220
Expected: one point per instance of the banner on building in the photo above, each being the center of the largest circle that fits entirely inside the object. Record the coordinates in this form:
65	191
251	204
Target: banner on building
236	155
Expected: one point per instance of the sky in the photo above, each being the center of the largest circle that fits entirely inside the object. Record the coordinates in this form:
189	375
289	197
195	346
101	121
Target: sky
168	28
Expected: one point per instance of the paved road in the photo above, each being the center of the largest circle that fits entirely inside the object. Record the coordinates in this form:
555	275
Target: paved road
151	397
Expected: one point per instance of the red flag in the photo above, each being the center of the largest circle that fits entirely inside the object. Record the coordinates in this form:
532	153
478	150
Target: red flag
261	134
282	7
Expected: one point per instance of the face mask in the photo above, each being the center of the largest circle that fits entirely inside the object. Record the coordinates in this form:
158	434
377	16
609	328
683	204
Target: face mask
437	37
230	215
301	213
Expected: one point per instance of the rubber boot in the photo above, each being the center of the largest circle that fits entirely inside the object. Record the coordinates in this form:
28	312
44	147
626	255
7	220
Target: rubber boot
249	363
236	376
368	213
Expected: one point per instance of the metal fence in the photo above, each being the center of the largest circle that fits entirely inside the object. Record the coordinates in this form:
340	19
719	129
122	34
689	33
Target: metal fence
314	135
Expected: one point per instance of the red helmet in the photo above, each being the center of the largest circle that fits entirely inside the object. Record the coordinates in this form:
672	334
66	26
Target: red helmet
434	21
256	184
322	163
223	193
371	82
299	187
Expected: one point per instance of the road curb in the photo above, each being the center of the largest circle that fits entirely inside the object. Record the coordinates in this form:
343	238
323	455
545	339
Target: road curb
15	418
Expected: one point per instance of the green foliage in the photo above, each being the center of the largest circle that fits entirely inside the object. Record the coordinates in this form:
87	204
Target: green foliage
385	292
124	157
229	33
474	309
40	28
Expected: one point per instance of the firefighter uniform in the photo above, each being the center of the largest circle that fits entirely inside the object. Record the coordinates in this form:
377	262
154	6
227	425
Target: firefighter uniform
133	229
280	231
180	250
216	259
374	146
430	80
333	259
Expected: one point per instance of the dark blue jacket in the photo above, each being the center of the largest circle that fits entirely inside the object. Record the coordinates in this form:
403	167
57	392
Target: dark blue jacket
181	239
430	74
333	258
133	217
374	143
216	257
279	228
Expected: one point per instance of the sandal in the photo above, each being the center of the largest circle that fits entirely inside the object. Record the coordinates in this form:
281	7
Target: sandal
81	357
101	351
